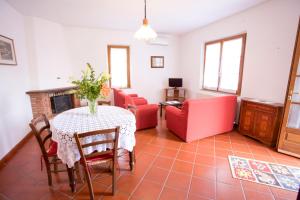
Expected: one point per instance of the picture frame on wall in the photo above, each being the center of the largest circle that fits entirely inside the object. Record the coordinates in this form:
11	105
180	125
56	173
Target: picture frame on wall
7	51
157	61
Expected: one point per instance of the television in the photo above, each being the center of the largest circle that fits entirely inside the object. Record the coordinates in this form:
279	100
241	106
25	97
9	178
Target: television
175	82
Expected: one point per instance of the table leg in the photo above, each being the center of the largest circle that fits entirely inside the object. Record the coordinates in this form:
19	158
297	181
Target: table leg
161	110
132	159
71	178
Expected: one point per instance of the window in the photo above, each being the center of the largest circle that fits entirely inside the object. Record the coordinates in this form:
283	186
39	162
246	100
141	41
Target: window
223	64
119	66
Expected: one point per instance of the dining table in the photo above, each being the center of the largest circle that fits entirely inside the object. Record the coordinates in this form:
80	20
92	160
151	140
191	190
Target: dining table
80	120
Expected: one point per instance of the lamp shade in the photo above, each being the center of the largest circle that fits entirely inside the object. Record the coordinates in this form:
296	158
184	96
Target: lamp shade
145	33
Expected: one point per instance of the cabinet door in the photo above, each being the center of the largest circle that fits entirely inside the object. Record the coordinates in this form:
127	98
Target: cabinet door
247	120
264	127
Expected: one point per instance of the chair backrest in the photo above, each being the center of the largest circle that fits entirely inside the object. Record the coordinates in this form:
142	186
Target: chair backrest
80	138
41	129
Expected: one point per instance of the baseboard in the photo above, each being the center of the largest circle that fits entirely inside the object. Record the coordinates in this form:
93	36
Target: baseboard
14	150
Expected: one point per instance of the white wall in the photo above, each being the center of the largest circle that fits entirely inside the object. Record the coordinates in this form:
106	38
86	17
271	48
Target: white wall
14	82
48	56
59	51
271	29
47	50
90	45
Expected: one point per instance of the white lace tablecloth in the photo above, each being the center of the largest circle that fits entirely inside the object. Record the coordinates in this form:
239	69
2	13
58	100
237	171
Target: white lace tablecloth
79	120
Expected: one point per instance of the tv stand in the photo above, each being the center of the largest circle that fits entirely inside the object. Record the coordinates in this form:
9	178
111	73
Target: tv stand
175	94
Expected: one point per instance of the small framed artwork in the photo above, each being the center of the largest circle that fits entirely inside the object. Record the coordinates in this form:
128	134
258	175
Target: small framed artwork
7	51
157	61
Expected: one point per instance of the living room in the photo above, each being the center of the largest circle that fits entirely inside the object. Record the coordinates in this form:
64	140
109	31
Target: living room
54	40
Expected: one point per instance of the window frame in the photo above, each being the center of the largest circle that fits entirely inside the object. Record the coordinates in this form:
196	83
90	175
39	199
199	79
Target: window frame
109	47
221	41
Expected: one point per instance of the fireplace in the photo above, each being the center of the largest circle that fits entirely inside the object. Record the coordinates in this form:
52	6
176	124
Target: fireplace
52	101
60	103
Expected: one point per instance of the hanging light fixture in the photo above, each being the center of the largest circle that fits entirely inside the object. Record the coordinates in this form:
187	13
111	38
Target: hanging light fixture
145	32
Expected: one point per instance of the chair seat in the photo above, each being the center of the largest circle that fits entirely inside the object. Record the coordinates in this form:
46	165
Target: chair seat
97	159
52	151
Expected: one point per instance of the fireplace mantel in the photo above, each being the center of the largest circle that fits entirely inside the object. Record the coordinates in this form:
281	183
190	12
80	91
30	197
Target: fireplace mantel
53	90
41	100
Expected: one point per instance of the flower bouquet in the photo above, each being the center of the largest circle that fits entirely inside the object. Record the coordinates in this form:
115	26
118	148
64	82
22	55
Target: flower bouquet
91	87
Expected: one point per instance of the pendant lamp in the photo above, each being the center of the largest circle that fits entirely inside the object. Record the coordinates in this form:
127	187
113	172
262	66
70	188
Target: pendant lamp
145	33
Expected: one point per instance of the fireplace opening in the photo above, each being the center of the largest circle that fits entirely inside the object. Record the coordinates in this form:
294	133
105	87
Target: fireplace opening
61	103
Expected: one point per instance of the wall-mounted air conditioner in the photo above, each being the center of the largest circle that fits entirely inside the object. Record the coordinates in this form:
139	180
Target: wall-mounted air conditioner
160	41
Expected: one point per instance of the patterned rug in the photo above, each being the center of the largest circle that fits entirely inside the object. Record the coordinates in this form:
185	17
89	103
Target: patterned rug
281	176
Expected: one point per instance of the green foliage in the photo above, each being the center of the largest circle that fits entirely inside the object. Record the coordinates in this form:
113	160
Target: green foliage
89	87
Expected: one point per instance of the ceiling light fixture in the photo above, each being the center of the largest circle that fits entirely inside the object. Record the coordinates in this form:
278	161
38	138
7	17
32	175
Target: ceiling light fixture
145	32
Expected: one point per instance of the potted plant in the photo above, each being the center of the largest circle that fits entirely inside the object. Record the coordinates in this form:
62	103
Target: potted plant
91	87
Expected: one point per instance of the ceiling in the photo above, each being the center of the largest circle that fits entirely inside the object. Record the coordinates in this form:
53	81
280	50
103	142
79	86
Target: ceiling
165	16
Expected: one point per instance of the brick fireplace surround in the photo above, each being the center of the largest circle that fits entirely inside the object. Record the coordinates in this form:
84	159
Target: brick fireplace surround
41	100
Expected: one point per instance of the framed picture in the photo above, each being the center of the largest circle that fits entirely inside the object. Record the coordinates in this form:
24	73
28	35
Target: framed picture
157	61
7	51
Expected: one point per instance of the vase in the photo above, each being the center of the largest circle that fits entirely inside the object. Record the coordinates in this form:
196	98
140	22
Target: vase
92	106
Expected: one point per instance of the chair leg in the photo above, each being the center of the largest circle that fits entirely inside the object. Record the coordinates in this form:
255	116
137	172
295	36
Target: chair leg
89	182
49	174
114	178
78	172
55	164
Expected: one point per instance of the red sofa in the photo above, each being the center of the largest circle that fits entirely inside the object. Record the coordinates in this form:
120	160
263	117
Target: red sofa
200	118
145	114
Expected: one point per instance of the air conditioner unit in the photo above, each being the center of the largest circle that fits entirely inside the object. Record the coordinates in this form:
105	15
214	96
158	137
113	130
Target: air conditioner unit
160	41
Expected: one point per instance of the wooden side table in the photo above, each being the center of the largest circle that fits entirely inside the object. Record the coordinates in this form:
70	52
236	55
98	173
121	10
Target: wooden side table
175	94
162	104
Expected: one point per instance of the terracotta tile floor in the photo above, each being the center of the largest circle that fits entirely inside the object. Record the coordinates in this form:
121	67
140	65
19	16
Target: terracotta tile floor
166	168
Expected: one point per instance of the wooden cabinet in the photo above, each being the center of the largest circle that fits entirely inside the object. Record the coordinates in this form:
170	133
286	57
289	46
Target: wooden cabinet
260	120
177	94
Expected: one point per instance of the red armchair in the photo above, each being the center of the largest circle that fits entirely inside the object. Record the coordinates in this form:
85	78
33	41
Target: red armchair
145	114
119	97
200	118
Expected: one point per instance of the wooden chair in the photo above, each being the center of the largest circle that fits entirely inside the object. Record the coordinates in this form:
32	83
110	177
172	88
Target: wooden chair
41	129
95	157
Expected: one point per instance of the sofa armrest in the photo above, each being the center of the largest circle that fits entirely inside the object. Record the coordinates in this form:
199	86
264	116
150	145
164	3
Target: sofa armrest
143	111
133	95
146	108
153	107
132	108
176	121
139	101
173	111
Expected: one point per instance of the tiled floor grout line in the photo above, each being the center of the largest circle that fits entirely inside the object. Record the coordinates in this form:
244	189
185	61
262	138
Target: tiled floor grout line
110	186
254	158
164	184
194	163
270	191
243	192
253	149
142	178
